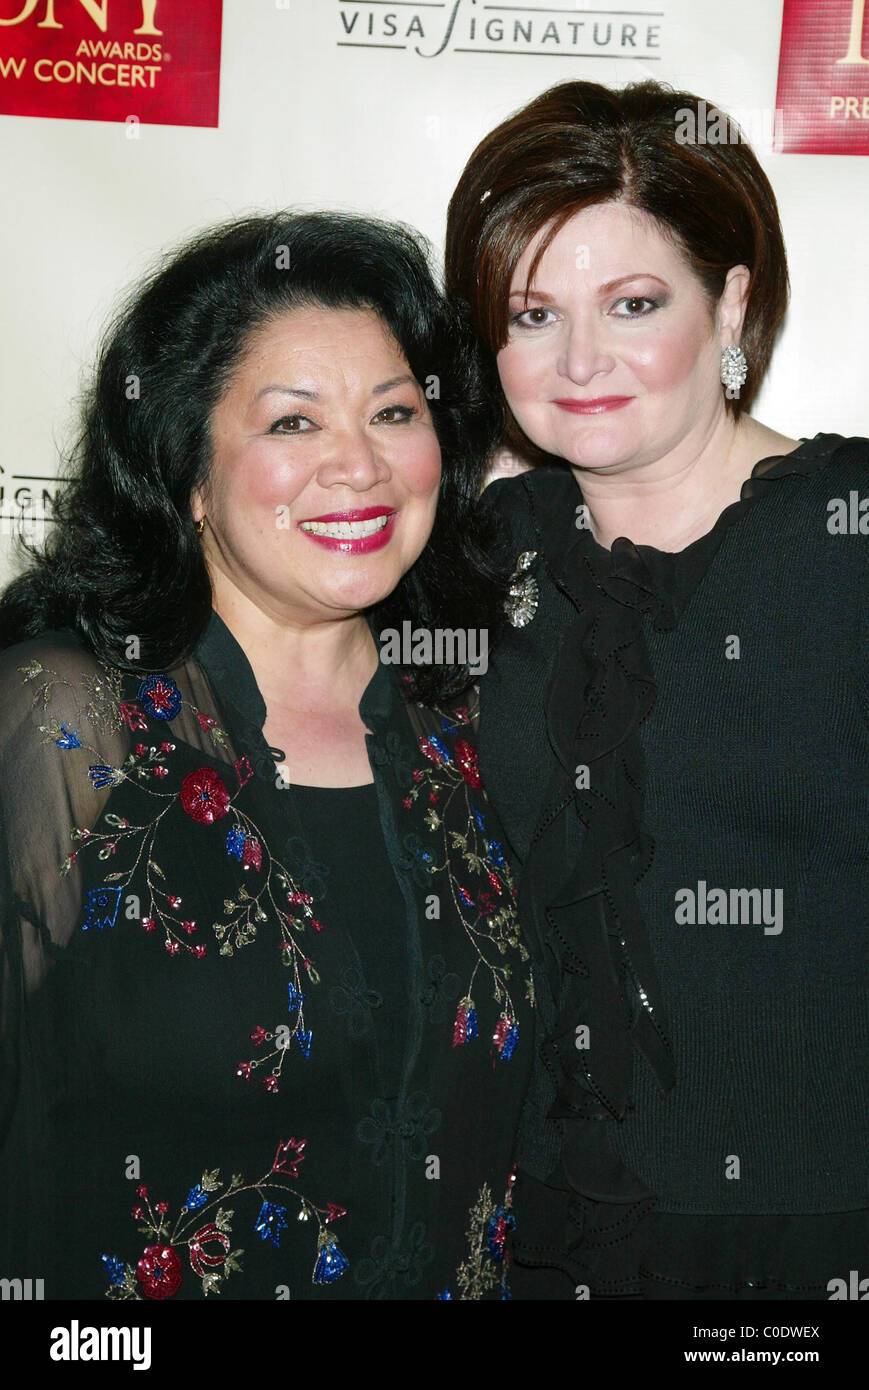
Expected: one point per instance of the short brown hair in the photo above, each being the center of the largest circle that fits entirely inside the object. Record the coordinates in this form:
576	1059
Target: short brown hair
579	144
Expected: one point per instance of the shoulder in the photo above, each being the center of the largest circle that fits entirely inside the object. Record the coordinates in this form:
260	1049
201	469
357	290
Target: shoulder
526	506
48	678
839	455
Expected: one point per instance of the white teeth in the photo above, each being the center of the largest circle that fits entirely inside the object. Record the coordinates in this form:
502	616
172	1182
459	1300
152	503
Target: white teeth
345	530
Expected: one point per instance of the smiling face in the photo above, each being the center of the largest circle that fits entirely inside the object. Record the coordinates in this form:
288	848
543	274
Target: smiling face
614	361
325	467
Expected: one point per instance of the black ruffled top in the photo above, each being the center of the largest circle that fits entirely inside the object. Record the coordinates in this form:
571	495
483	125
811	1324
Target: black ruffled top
585	660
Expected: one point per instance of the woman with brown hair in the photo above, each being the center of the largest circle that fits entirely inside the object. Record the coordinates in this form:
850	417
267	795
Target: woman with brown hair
687	665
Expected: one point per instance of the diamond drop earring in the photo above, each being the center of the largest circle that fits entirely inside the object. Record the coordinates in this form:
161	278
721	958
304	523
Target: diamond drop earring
734	370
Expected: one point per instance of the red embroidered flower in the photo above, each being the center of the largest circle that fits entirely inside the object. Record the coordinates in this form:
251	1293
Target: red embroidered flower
252	854
159	1271
132	715
201	1258
466	757
288	1156
204	796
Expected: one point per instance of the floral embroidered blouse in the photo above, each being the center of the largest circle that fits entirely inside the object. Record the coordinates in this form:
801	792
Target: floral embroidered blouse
258	1041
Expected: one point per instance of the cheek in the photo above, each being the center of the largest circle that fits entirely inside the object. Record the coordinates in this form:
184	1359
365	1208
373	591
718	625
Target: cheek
270	477
419	470
668	359
520	370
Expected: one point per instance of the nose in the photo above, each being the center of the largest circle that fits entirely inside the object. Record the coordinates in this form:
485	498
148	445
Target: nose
354	460
584	355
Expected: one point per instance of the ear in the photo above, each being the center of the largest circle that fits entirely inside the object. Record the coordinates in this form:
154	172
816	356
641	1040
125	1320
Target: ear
197	505
731	306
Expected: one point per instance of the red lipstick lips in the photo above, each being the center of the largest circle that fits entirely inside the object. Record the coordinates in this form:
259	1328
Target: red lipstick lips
355	531
597	406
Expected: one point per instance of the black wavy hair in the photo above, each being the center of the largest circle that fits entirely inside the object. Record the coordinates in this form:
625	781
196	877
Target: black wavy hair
124	556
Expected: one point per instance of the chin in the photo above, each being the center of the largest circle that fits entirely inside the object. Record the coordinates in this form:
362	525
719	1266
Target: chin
595	449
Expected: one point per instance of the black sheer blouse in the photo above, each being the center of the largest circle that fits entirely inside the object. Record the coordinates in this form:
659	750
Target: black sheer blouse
258	1041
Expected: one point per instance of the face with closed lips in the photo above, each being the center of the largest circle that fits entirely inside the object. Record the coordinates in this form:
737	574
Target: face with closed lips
325	467
613	362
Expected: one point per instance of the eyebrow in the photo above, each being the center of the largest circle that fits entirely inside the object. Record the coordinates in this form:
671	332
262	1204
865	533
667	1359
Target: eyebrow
602	289
314	395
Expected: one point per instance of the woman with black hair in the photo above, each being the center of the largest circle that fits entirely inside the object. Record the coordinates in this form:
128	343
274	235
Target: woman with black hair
263	981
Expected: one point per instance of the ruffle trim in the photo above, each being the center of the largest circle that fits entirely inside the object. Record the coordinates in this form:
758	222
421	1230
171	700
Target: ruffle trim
605	976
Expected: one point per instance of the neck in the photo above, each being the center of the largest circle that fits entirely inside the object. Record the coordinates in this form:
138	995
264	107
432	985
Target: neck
670	501
296	658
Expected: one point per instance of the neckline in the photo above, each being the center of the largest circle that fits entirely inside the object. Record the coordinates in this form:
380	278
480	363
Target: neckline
657	583
764	467
358	787
225	662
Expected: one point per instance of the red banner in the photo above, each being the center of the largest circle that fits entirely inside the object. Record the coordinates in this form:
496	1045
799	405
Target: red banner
147	61
823	77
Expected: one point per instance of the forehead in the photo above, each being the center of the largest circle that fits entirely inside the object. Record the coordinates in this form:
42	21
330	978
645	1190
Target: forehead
316	338
603	242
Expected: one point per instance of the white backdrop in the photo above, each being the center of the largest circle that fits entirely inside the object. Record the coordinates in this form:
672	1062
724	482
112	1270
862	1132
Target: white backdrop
306	120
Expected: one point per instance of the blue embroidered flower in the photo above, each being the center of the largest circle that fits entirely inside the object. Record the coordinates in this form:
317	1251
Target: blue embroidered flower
295	997
114	1269
510	1042
160	696
196	1198
270	1222
101	907
331	1262
304	1041
496	854
235	843
102	775
478	817
445	1296
500	1223
68	737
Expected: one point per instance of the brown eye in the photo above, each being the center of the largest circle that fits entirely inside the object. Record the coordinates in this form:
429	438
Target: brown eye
291	424
635	306
399	413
